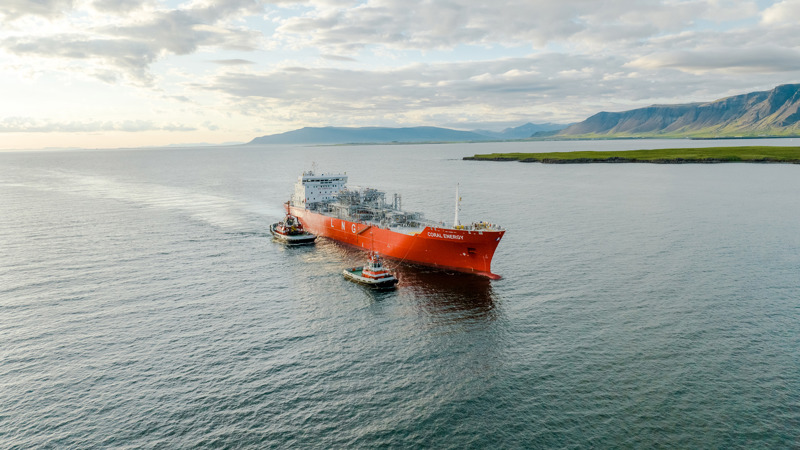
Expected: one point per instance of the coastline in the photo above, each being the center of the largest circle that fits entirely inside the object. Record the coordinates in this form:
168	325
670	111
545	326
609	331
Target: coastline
711	155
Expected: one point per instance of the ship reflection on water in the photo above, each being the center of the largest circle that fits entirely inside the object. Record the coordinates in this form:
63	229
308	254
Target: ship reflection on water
448	296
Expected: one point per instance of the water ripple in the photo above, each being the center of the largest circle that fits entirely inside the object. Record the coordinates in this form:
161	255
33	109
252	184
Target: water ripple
145	306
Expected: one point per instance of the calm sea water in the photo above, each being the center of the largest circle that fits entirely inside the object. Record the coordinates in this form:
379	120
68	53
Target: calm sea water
144	304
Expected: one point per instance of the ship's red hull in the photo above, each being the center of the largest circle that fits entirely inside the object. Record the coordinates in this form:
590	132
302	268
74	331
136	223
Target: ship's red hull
460	250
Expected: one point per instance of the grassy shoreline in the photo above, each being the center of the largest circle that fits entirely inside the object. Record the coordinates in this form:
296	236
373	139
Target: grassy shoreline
752	154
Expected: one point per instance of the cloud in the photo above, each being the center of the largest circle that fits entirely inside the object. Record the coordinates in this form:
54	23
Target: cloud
119	6
338	58
782	13
33	125
129	56
557	86
232	62
131	47
382	62
746	60
435	24
182	31
14	9
535	86
180	98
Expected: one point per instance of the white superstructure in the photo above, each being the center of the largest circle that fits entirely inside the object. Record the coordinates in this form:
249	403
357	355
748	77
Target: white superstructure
311	188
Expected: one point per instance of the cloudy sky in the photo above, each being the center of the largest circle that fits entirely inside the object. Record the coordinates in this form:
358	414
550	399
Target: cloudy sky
124	73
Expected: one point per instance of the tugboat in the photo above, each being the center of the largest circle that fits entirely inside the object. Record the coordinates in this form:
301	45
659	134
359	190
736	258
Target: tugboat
291	232
373	274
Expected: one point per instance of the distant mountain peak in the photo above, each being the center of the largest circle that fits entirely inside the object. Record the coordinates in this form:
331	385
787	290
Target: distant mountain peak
367	135
765	113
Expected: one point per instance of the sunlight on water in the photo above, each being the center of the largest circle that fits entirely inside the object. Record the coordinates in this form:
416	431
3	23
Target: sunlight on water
213	209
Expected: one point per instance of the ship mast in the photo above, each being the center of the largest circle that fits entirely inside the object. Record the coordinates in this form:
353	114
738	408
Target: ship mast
458	207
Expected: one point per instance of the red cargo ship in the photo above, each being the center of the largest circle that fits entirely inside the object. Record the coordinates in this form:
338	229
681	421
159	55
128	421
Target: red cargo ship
361	217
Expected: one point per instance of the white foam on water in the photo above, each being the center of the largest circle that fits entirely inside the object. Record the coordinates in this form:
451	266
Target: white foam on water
213	209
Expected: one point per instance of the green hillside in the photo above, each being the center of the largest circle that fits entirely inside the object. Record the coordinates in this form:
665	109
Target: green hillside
660	156
771	113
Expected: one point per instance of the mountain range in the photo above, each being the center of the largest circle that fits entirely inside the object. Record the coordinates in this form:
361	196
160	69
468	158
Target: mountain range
757	114
382	135
770	113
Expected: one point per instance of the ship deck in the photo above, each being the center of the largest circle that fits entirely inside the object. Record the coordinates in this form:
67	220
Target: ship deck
381	215
409	229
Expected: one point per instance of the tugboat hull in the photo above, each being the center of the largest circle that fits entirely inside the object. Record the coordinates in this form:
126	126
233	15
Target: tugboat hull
355	274
280	233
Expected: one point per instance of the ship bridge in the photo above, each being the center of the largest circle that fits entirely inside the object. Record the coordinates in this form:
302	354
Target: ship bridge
311	188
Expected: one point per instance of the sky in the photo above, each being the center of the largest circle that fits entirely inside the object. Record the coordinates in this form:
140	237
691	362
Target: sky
131	73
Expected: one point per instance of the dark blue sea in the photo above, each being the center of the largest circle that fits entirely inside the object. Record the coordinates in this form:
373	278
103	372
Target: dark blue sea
143	304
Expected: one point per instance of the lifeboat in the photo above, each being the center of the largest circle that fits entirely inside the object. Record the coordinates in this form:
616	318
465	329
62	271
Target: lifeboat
373	275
